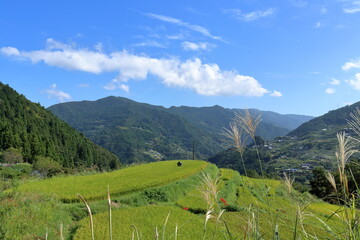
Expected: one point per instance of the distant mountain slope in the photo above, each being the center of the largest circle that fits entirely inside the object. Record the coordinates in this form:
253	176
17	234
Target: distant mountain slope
137	131
314	140
333	120
37	132
216	118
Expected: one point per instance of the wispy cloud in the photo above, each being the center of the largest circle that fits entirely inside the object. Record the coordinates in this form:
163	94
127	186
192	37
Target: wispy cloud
355	83
149	43
276	94
182	23
352	6
351	64
250	16
323	10
318	25
204	79
83	85
53	92
175	36
330	90
335	81
299	3
192	46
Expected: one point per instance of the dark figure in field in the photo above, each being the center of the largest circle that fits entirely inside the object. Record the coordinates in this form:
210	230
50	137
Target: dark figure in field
179	164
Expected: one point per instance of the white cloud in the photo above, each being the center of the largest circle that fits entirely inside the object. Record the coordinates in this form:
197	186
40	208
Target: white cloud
299	3
335	81
251	16
276	94
9	51
124	87
323	10
318	25
330	90
352	7
149	44
110	86
175	37
179	22
355	83
351	10
351	64
83	85
204	79
53	92
191	46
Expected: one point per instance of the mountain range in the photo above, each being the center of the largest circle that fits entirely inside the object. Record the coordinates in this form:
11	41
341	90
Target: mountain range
143	132
30	130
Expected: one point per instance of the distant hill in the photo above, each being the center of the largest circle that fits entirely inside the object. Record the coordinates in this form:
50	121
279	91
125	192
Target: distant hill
329	122
312	143
216	118
34	131
143	132
136	131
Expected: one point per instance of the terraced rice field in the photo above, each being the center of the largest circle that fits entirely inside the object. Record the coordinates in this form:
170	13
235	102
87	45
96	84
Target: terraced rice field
132	179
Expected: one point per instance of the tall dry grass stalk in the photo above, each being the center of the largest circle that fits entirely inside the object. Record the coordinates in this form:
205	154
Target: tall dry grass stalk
249	123
110	216
61	232
354	122
238	140
209	191
348	214
332	180
344	151
90	216
288	183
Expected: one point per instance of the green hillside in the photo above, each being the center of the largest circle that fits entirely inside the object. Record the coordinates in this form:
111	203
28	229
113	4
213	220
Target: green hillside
215	118
241	206
142	132
33	131
136	131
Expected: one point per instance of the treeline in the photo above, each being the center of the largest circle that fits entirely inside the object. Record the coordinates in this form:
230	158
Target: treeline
36	132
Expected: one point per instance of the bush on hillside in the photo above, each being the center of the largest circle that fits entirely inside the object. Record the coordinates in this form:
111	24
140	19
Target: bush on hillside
47	167
11	155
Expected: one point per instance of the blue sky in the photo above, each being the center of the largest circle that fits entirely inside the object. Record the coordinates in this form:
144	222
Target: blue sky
287	56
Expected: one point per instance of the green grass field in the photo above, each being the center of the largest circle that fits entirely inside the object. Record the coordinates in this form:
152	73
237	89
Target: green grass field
123	181
144	195
143	221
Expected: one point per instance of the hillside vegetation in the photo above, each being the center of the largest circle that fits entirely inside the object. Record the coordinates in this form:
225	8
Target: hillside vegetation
142	132
120	182
28	131
141	203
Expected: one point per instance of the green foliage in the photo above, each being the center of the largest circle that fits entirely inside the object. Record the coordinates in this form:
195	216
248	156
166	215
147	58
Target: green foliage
34	131
30	216
46	166
142	132
144	221
123	181
17	171
320	185
11	155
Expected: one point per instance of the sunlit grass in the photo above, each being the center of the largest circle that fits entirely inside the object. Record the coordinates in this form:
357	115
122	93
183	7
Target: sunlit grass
120	182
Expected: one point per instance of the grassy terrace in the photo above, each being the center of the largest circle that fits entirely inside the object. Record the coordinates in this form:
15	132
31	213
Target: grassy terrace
132	179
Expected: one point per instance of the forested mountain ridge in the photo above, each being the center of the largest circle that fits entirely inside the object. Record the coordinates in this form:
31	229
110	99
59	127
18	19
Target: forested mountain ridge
313	143
138	131
334	119
36	132
216	118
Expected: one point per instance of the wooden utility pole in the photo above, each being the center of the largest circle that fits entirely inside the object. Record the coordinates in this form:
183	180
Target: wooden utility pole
193	155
